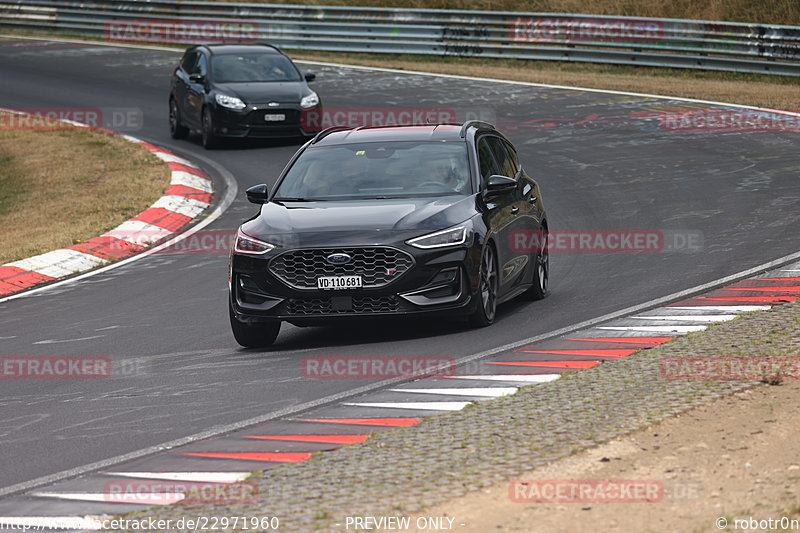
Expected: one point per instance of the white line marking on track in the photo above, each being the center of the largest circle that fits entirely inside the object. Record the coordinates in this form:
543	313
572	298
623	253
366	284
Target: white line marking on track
666	329
735	308
131	498
416	406
688	318
527	378
488	392
53	341
200	477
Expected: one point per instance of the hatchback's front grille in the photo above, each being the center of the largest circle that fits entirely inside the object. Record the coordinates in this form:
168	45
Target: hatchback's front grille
377	266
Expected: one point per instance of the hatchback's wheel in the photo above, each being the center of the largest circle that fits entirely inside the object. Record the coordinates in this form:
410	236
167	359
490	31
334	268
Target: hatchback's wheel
487	290
176	129
210	139
541	272
257	335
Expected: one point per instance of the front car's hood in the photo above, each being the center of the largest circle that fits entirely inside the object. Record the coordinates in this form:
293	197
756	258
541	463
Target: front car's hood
284	92
357	221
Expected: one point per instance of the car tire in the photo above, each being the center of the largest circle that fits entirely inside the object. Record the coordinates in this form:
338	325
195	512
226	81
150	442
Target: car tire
176	129
487	290
541	271
257	335
210	140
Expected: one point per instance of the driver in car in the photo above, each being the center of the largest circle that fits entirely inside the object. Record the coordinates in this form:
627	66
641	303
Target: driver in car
447	172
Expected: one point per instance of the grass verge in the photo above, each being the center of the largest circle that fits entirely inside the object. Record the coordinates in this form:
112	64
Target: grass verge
65	185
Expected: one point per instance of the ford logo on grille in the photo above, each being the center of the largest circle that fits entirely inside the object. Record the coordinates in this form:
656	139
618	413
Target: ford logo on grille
338	259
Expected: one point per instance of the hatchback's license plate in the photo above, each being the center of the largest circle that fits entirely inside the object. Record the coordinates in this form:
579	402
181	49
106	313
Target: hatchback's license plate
275	117
339	282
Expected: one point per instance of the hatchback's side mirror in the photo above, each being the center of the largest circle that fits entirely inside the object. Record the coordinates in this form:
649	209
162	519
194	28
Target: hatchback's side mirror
258	194
498	184
310	76
197	78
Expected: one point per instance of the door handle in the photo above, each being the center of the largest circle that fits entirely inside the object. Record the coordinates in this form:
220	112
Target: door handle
514	210
532	199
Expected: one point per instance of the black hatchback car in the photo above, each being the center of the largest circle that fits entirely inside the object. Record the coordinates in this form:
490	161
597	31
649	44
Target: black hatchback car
393	220
242	90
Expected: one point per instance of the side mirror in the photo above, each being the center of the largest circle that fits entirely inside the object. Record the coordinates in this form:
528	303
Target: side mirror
197	78
258	194
498	184
310	76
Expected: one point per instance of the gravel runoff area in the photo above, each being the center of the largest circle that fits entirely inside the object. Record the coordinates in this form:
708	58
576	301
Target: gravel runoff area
403	471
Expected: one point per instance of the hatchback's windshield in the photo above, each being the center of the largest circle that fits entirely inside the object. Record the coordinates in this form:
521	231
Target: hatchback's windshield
253	67
378	170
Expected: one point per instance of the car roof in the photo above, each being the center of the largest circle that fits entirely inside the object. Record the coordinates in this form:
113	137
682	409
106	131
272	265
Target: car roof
224	49
432	132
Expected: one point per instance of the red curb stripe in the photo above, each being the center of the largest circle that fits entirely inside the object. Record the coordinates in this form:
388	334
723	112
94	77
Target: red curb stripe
631	340
280	457
765	299
13	279
189	192
777	279
609	352
550	364
180	167
389	422
785	288
326	439
106	247
163	218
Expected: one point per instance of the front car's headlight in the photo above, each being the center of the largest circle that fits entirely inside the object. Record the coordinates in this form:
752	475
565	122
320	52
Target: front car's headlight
309	101
246	244
441	239
231	102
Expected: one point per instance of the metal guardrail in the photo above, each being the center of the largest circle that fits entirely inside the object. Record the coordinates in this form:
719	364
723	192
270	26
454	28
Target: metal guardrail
728	46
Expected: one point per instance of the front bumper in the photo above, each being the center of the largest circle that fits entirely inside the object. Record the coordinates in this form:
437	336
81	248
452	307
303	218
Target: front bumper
441	282
250	122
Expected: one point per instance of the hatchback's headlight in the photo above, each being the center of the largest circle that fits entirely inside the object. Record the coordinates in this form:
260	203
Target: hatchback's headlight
231	102
309	101
246	244
440	239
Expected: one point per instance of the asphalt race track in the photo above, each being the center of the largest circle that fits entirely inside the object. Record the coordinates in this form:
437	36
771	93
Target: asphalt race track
603	161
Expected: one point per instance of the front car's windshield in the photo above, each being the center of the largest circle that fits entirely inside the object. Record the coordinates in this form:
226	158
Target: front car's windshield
252	68
379	170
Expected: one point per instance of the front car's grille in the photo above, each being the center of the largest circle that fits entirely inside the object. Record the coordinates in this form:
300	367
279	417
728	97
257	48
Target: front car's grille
377	266
358	304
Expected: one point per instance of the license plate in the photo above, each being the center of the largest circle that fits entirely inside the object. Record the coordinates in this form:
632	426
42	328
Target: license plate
274	117
339	282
